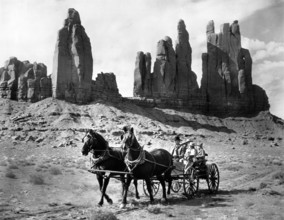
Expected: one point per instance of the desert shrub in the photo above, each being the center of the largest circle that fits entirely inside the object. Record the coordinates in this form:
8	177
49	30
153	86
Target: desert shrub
155	209
232	167
43	166
262	185
10	174
3	163
38	169
55	171
36	179
13	166
279	176
103	215
248	204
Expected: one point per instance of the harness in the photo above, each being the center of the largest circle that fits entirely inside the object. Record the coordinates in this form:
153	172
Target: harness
132	164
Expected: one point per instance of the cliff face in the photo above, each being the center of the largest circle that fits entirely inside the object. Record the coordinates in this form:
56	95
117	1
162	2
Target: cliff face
105	87
24	81
172	76
73	61
227	77
226	84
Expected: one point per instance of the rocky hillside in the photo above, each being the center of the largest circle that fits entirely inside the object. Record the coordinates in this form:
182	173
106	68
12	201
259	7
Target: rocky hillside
54	122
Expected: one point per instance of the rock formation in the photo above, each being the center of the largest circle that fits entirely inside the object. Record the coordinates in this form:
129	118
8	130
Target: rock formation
226	84
21	81
105	87
226	81
186	78
172	76
73	61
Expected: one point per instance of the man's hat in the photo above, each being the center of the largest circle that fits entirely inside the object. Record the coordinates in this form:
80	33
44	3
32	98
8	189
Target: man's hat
177	138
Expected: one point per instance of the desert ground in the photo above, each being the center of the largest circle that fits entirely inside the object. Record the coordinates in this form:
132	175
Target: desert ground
43	174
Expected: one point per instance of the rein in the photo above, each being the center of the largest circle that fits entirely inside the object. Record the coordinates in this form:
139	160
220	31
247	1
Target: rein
141	159
106	155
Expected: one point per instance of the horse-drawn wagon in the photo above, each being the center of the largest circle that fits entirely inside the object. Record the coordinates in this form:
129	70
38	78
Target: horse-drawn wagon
188	180
154	168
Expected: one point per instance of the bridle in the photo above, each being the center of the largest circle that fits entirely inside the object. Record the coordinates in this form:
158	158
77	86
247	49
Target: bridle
90	139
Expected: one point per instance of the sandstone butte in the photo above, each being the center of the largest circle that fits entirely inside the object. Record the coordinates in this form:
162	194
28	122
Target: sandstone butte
226	84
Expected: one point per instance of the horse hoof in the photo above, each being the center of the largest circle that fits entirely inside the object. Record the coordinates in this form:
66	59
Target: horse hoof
100	204
137	197
122	206
110	202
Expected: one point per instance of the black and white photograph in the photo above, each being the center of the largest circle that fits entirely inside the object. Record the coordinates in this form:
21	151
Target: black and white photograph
141	109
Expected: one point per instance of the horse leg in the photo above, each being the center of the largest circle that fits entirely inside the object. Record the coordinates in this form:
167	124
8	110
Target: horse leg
162	181
124	197
149	188
103	191
122	179
100	179
168	177
136	189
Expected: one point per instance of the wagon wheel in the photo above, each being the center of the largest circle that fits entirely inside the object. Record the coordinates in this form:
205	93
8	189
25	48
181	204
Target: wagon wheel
213	178
176	186
155	187
190	183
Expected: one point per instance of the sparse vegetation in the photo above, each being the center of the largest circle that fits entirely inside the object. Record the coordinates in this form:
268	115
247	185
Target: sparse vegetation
248	204
55	171
102	215
3	163
10	174
155	209
13	166
37	179
233	167
262	185
279	176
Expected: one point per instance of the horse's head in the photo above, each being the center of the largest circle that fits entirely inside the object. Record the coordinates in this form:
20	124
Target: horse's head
129	139
90	141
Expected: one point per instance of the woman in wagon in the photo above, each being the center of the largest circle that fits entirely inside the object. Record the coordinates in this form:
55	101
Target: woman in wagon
190	156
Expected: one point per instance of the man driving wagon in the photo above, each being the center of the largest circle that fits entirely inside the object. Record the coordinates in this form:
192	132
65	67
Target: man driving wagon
190	156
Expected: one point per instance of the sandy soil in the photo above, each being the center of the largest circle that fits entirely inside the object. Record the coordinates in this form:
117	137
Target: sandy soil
44	176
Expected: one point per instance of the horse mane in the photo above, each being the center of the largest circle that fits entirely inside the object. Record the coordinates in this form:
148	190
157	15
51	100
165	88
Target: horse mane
100	139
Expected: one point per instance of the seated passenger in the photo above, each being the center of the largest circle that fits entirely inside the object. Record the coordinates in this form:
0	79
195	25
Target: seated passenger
190	156
200	153
179	150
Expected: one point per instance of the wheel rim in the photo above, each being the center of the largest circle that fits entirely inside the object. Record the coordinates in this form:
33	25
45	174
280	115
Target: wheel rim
213	178
155	185
190	183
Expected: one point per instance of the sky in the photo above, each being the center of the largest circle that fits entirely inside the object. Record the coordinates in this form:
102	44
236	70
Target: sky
118	29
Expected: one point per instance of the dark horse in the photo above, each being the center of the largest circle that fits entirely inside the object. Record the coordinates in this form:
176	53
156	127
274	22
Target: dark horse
105	158
144	165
